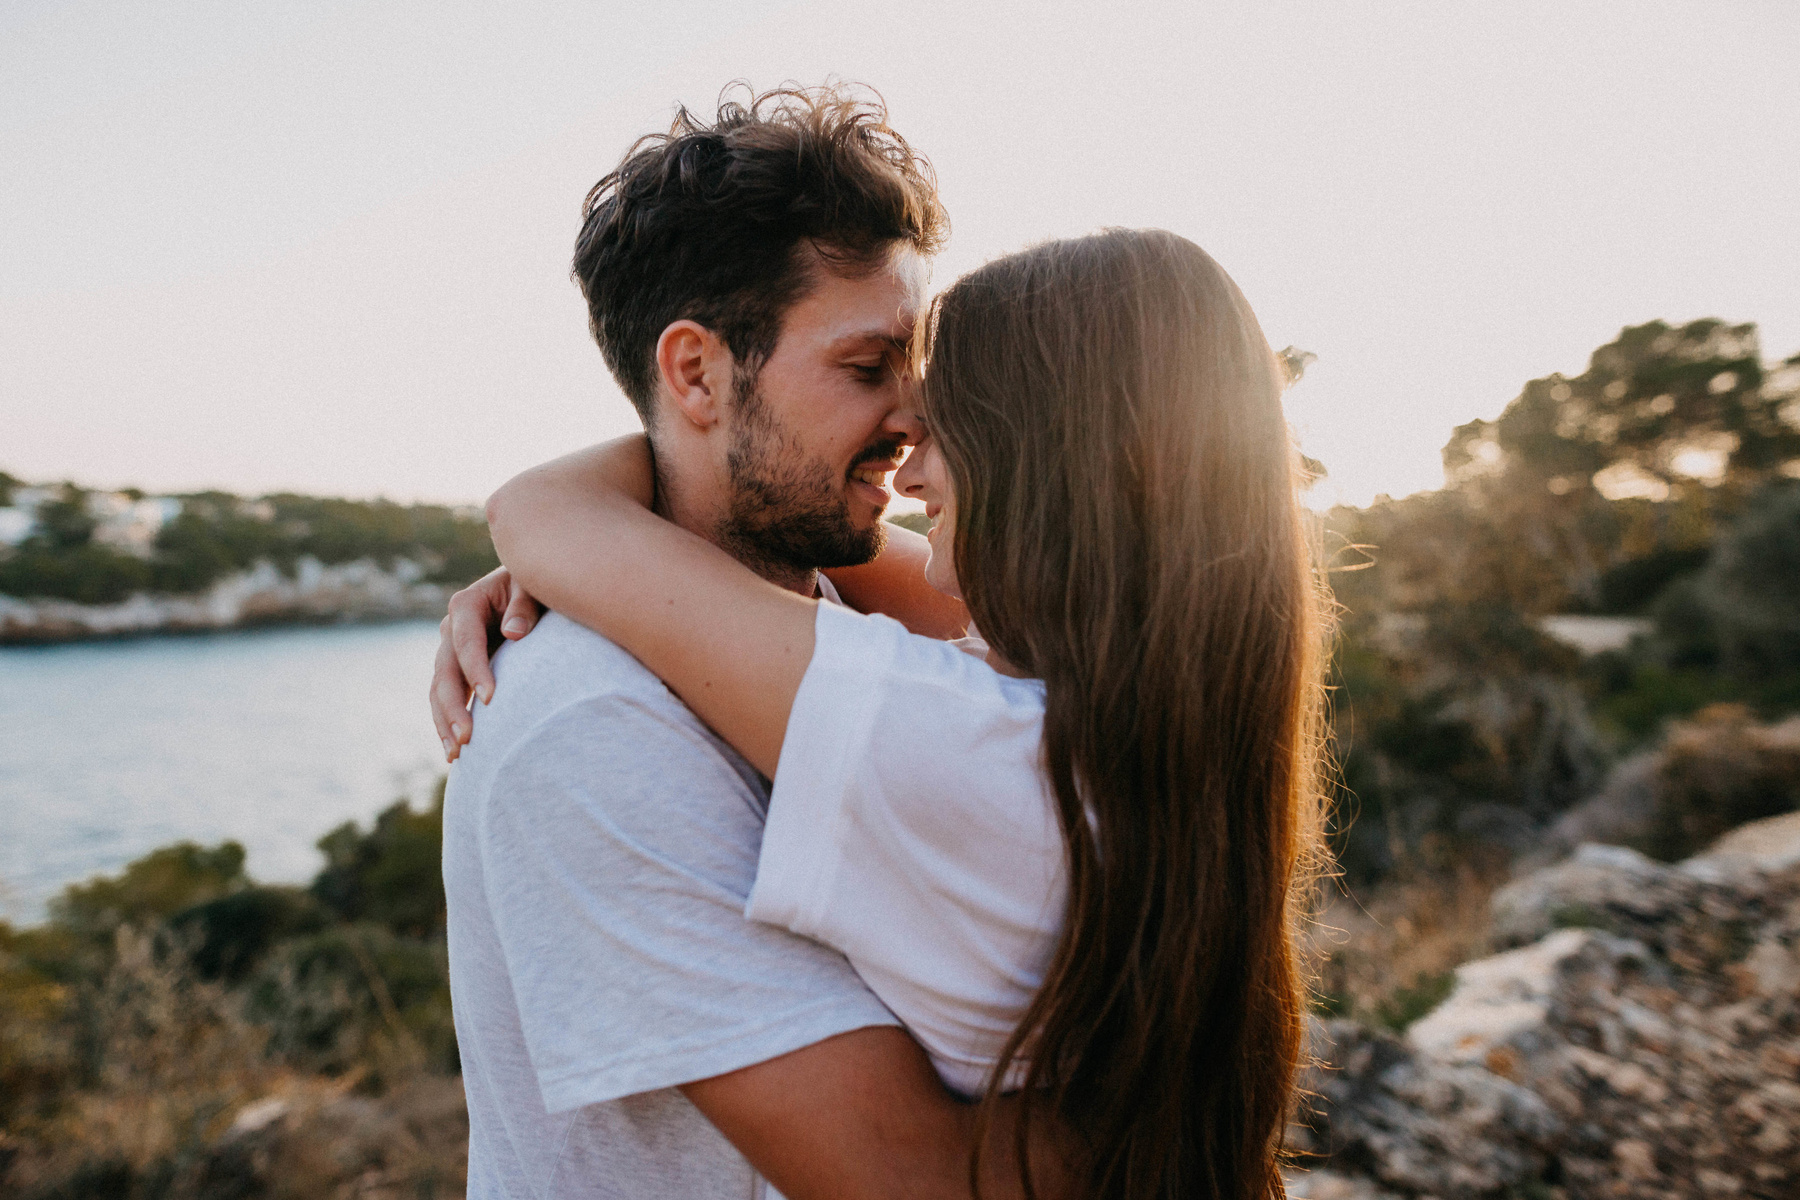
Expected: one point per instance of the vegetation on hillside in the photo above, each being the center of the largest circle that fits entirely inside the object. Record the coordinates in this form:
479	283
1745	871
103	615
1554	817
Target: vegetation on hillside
213	534
153	1007
1662	483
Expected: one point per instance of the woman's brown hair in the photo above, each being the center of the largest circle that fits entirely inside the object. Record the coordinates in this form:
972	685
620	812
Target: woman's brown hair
1128	529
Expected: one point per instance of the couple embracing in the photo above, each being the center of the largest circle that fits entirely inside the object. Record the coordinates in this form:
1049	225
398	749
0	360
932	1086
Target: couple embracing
793	852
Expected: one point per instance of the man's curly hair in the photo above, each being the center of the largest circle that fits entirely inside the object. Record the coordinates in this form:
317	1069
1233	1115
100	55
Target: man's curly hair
712	223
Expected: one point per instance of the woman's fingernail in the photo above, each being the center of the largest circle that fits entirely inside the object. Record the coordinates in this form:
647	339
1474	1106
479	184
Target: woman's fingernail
449	750
513	626
485	692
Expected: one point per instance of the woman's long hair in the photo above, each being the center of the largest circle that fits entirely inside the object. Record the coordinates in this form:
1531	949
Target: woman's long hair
1128	529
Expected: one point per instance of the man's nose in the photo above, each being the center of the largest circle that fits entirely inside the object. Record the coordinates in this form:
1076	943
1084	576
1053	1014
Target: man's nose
905	423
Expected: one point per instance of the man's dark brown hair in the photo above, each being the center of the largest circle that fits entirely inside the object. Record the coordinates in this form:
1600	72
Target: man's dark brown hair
712	223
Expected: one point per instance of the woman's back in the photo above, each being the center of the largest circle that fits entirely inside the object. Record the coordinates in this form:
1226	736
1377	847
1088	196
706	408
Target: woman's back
911	829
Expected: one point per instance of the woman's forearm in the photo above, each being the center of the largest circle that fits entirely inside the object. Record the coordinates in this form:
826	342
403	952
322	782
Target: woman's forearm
563	528
894	584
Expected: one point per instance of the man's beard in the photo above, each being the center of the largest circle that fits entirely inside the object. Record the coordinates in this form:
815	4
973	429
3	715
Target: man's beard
788	511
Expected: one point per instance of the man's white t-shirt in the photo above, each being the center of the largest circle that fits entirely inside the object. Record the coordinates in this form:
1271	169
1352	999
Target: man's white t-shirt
912	829
599	847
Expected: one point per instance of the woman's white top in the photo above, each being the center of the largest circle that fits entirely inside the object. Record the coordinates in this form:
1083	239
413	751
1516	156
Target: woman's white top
911	828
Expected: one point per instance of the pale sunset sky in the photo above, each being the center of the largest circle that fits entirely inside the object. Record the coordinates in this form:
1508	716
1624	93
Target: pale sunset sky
324	247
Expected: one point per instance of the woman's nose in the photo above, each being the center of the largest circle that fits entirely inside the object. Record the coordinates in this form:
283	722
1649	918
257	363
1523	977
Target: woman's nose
909	480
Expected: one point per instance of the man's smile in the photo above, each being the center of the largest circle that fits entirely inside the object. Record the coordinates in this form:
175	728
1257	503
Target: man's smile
868	474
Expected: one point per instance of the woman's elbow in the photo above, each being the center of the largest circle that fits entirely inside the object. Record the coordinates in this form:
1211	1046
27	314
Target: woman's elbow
502	511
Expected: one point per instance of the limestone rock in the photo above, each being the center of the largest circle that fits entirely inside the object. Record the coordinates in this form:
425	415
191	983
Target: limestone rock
1770	845
1501	1013
1599	886
1420	1125
1653	1055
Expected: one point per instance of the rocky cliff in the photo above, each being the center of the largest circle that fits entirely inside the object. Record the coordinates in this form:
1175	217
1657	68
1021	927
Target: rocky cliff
313	592
1636	1035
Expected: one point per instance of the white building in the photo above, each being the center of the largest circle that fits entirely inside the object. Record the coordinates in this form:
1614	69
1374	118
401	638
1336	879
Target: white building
16	525
131	525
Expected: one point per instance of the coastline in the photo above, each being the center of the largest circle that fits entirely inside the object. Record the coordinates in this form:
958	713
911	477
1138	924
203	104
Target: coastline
361	591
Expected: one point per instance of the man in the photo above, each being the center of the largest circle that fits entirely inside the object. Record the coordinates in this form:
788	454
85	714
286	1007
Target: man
624	1030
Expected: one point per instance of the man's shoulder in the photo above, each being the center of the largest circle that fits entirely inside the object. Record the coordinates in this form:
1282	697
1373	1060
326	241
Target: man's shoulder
561	666
568	699
563	657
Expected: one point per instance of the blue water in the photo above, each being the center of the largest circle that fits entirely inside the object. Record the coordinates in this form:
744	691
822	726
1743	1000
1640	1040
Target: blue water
273	738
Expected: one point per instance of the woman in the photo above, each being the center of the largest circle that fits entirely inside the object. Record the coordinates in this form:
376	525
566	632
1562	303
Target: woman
1085	882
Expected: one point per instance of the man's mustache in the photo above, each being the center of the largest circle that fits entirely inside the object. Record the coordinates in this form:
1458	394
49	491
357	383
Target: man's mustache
887	451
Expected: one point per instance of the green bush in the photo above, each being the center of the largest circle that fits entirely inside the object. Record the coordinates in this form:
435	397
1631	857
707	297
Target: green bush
343	996
85	573
918	522
392	875
151	889
225	938
1408	1003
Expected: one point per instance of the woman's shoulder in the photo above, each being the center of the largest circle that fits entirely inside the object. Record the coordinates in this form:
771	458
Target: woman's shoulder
884	653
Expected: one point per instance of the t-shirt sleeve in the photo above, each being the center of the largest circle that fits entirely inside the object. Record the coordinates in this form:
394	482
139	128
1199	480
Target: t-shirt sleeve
910	825
619	845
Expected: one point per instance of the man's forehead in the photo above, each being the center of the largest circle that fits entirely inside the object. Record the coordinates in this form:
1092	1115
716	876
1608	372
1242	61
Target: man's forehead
879	307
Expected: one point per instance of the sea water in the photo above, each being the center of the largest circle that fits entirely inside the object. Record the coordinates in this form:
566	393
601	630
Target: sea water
268	737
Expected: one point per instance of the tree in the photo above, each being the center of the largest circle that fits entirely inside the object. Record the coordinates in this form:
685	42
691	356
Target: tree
1595	491
1659	410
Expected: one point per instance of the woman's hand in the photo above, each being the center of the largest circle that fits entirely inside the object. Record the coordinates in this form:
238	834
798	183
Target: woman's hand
488	611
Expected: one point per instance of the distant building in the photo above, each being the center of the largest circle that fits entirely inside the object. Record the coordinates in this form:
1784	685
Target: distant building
16	525
131	525
28	498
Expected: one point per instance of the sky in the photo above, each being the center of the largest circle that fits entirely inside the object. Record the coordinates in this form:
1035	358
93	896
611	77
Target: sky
325	247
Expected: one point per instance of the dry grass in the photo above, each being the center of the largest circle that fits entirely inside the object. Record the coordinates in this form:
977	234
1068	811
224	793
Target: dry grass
179	1099
1385	954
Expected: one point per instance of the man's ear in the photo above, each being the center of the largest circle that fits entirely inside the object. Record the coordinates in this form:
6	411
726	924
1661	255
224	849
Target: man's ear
694	368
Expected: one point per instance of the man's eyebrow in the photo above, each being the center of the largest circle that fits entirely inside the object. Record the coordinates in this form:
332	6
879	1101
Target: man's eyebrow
882	337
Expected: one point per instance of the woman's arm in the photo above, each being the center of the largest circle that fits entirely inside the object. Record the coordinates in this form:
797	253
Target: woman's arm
576	533
894	583
496	608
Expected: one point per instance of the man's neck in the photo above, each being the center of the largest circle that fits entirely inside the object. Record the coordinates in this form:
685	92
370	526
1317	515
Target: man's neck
802	581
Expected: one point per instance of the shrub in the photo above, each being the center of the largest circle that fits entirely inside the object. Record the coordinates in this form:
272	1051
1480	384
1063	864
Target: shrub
392	875
1719	771
85	573
227	937
356	997
918	522
149	890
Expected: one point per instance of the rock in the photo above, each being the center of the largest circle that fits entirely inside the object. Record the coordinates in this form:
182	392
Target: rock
1714	770
1636	1159
1586	1063
255	1117
1329	1185
1608	887
1418	1125
1621	812
1773	969
1769	845
1499	1014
